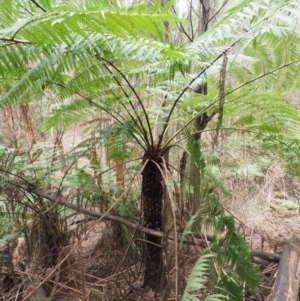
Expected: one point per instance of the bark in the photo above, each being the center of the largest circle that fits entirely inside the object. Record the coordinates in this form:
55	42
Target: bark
287	282
167	25
152	198
95	160
10	119
59	147
12	127
120	174
204	12
183	162
28	125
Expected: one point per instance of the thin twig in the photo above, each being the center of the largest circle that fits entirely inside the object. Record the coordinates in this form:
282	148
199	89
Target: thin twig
14	41
204	69
38	5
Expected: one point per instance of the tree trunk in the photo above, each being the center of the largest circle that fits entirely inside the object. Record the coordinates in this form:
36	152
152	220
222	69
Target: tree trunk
95	161
200	122
152	199
120	174
203	22
28	125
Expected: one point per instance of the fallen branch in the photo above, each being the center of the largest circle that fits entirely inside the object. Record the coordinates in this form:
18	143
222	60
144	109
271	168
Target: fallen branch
286	286
260	254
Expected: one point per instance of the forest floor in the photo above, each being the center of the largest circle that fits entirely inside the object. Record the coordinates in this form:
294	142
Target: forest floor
265	205
266	210
94	266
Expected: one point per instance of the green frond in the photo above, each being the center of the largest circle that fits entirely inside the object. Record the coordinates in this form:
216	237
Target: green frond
204	218
260	108
230	286
245	24
32	80
117	140
188	229
272	123
285	148
237	253
65	115
72	41
197	280
57	27
215	297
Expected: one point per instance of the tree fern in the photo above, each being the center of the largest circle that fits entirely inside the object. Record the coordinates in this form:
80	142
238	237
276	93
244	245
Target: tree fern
110	58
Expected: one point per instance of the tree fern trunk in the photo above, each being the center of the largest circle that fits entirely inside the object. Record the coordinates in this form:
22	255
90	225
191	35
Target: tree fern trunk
152	198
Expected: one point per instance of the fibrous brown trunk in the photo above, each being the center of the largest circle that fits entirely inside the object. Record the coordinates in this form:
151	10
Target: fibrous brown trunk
152	199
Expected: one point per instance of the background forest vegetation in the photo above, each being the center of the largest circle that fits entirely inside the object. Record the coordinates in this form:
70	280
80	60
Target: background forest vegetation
144	146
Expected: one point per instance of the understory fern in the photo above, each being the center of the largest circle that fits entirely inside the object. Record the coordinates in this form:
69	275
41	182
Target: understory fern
230	267
226	266
197	280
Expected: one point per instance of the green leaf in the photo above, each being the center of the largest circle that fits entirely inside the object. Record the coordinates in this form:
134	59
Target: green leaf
156	7
168	6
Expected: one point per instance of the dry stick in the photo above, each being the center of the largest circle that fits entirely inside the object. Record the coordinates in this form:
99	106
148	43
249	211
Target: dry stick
251	235
147	241
53	271
102	173
182	29
17	296
219	10
126	252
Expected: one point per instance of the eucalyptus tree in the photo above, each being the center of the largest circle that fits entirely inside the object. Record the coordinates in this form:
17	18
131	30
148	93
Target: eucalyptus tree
114	59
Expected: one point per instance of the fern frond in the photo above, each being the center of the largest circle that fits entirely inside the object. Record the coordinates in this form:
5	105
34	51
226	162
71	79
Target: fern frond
237	252
197	278
66	41
68	114
244	25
